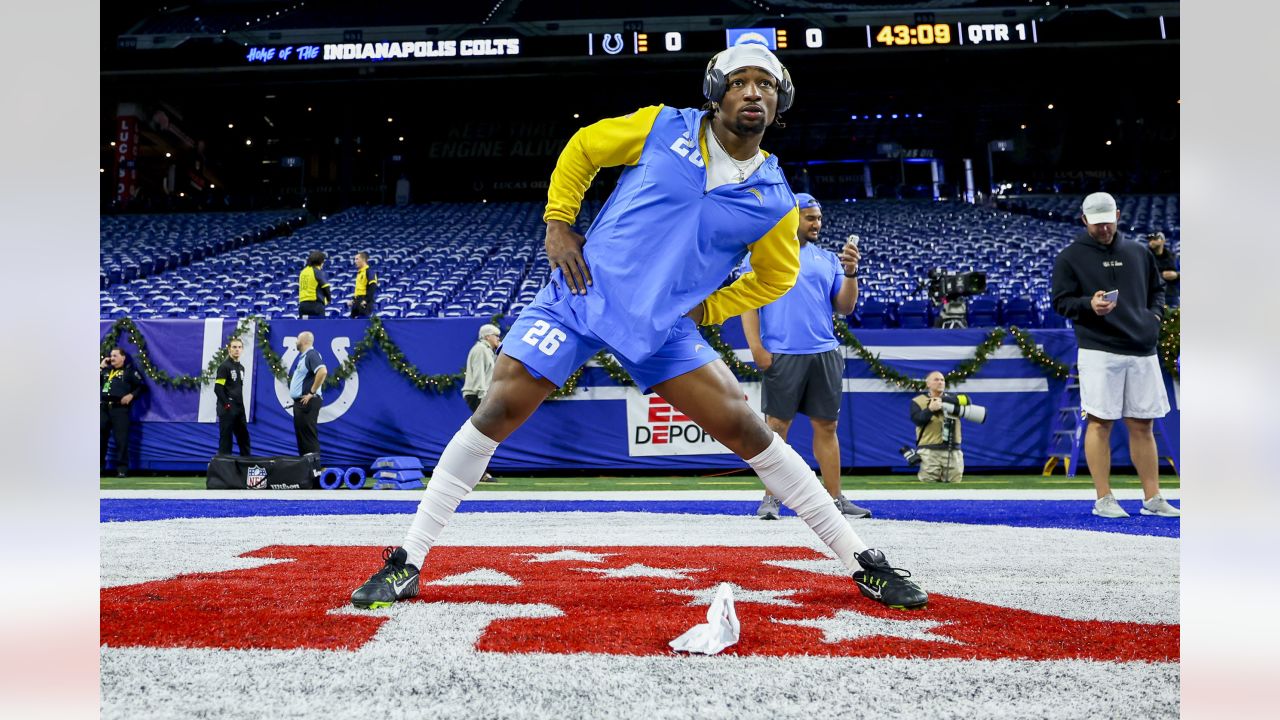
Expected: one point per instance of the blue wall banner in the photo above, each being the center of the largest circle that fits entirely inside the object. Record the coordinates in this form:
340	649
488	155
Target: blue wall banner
605	426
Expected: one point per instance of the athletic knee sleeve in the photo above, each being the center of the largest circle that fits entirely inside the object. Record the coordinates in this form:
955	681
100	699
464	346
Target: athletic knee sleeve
787	477
460	468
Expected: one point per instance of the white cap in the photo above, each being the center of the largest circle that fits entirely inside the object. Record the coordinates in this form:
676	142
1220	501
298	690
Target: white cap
749	54
1099	208
488	329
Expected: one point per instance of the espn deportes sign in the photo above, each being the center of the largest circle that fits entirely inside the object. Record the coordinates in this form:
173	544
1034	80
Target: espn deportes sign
654	427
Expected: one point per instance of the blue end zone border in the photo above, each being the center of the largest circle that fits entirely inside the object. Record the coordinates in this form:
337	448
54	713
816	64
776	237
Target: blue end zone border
1065	514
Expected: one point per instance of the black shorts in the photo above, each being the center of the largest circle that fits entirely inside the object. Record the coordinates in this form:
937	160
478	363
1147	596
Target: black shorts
809	384
311	308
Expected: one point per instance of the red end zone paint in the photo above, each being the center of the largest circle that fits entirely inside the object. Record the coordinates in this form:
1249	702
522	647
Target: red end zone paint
286	605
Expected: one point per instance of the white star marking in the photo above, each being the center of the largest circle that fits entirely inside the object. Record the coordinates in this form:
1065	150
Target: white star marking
637	570
824	566
479	576
850	625
704	596
567	555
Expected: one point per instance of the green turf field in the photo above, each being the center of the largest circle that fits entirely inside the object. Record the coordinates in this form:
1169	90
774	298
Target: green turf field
852	484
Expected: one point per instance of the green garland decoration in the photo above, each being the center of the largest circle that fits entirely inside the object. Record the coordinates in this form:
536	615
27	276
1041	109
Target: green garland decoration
1037	356
1170	346
155	374
962	372
263	339
376	337
741	369
610	366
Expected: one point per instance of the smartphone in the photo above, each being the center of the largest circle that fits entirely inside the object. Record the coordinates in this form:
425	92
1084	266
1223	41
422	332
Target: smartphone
1111	295
852	240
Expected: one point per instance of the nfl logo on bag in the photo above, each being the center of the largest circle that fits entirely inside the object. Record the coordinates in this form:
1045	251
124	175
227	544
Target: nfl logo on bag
256	478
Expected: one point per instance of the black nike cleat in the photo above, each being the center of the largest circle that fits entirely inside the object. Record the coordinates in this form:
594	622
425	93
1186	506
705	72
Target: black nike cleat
397	580
886	584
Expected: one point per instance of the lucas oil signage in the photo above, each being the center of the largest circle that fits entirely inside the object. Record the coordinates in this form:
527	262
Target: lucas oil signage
654	427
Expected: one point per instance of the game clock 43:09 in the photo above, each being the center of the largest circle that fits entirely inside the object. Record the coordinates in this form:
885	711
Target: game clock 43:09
930	34
960	34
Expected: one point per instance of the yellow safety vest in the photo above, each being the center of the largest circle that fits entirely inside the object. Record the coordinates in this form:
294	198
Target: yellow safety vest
308	288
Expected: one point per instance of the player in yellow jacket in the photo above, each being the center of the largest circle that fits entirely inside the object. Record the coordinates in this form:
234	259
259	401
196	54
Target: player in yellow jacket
697	193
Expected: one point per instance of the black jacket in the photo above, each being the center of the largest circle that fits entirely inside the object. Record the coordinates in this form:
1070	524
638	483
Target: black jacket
1085	267
229	384
115	384
1168	261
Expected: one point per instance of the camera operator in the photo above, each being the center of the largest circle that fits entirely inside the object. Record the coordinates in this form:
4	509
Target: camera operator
937	434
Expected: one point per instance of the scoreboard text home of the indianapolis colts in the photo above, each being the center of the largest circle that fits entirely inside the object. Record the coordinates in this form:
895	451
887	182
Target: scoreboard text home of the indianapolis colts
900	36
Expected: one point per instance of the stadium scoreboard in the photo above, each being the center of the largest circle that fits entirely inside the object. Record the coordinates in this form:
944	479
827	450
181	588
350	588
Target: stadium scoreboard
783	37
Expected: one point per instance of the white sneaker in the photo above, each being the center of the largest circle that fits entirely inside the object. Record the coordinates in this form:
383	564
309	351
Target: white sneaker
770	508
1157	505
1106	506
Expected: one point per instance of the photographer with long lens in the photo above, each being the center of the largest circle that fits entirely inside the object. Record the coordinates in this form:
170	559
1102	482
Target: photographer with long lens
937	416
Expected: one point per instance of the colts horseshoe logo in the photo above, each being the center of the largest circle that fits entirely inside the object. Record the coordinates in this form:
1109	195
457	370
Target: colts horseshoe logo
332	409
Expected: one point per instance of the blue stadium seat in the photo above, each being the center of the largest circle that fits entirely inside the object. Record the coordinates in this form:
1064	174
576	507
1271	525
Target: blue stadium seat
915	314
1021	311
469	259
874	314
983	312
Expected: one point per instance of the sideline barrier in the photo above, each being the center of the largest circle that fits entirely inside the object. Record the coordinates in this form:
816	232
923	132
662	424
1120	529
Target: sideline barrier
380	413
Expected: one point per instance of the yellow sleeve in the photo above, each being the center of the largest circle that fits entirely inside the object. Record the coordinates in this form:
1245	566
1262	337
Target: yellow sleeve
608	143
775	263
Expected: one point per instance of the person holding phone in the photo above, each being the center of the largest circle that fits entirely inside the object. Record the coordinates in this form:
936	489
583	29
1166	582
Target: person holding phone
120	383
793	342
1112	292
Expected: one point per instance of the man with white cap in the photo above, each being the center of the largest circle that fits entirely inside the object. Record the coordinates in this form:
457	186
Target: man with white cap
1112	292
479	371
793	343
696	194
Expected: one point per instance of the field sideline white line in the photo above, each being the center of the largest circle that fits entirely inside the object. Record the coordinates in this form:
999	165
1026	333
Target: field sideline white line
634	495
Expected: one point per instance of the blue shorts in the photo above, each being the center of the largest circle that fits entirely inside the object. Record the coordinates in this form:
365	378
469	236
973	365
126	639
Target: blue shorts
551	339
